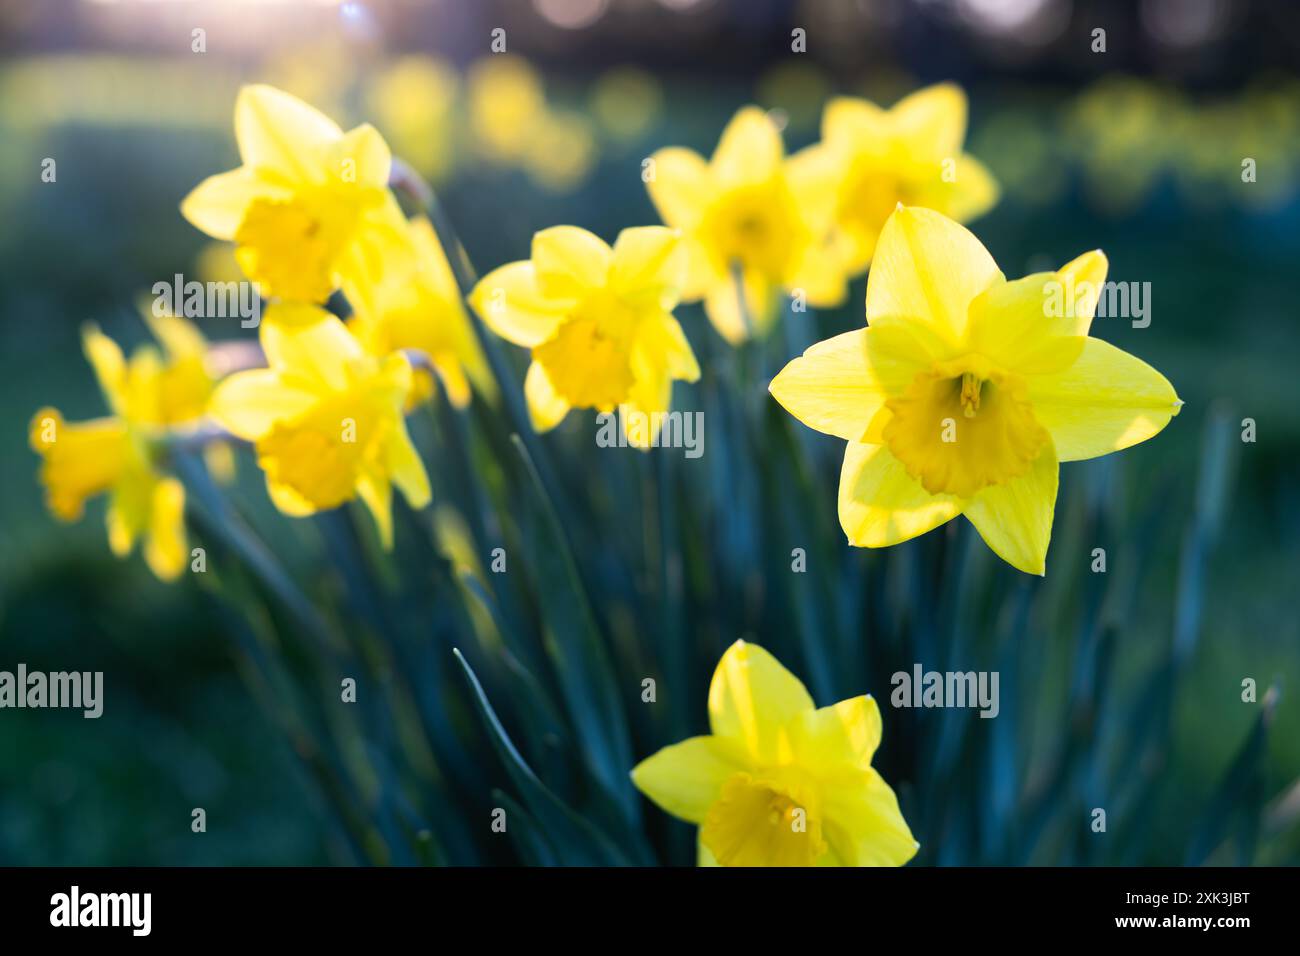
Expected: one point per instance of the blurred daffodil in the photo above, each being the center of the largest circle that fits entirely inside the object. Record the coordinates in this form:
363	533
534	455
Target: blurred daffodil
171	389
506	104
413	101
626	101
744	217
326	418
779	781
869	160
561	150
118	454
423	310
599	323
310	209
965	390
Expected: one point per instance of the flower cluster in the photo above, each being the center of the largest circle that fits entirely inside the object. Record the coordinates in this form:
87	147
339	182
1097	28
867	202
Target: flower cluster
759	223
960	396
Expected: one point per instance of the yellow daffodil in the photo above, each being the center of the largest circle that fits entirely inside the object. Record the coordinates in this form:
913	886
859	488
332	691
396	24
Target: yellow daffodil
116	454
172	388
423	310
310	209
869	160
325	418
965	390
599	323
745	211
779	781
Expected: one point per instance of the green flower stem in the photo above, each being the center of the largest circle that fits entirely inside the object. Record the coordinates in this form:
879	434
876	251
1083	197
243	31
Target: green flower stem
408	181
243	541
275	690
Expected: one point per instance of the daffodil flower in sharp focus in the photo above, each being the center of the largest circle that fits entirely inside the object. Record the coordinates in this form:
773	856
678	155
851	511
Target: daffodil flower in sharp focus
965	390
599	323
869	160
746	212
779	781
310	209
423	310
326	418
116	455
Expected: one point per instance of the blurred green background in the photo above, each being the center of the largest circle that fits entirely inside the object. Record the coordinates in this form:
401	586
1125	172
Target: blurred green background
1137	151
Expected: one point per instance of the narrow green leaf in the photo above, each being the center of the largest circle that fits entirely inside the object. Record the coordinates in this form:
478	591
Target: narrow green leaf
577	842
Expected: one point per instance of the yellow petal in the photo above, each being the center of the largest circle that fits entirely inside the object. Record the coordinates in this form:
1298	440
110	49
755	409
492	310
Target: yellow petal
217	205
864	825
130	510
703	855
453	379
680	186
750	150
837	386
407	469
819	277
247	404
1105	401
105	357
839	737
179	337
926	271
881	504
377	494
736	324
649	396
854	123
165	549
664	335
931	122
81	459
686	778
360	157
649	267
1015	518
753	700
972	192
380	251
294	314
814	175
1024	327
545	407
315	356
433	258
509	300
1081	281
702	272
281	133
569	262
289	501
